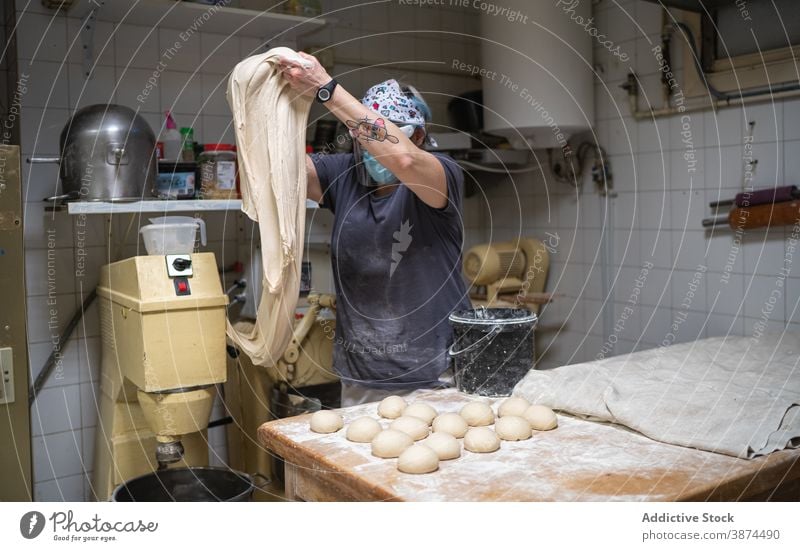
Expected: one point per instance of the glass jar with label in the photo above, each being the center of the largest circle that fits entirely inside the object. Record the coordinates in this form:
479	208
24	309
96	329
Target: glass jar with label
217	165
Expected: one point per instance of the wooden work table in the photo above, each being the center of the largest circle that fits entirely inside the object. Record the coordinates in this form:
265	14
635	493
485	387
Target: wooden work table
578	461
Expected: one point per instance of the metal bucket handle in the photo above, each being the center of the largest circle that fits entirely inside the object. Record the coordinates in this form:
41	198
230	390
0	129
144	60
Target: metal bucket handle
491	334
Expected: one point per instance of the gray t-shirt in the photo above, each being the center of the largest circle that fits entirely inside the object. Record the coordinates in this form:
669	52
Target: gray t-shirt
397	271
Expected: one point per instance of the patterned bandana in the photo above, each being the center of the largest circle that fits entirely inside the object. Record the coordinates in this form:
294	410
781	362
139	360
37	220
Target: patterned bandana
388	100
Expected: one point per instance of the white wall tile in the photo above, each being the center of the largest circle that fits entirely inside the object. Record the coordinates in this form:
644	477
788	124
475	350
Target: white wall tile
65	371
214	101
98	87
102	42
725	252
181	93
219	53
47	316
187	54
41	129
653	171
725	295
764	250
723	127
56	410
89	403
47	85
764	297
136	47
54	268
721	325
68	488
56	456
688	209
768	118
41	226
44	39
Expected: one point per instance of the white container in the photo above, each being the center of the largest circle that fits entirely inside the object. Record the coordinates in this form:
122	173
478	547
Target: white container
175	238
183	220
539	89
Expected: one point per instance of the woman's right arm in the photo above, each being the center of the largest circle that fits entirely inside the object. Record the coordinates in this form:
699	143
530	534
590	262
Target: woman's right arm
314	187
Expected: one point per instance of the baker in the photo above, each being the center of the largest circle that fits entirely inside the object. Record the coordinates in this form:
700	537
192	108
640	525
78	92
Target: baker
396	241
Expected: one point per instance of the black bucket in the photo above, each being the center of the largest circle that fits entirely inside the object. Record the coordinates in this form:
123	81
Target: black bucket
187	484
492	350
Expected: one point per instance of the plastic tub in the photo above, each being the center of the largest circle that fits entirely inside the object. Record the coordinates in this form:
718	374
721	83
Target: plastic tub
183	220
161	239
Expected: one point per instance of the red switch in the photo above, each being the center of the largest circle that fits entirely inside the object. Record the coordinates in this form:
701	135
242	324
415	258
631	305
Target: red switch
182	286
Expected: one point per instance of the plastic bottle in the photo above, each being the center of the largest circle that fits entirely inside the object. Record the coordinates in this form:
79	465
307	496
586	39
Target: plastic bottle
172	140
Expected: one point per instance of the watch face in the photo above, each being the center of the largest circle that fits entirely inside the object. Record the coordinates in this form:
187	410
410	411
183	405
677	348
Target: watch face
324	94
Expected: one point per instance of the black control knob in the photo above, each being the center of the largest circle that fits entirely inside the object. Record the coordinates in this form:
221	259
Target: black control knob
182	264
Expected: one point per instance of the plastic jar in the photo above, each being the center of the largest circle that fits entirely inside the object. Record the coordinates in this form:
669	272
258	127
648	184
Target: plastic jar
218	176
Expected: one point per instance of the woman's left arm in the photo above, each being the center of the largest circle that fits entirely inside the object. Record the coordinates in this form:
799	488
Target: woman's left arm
420	171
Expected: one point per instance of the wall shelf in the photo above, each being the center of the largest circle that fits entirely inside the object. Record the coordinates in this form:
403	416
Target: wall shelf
192	16
160	206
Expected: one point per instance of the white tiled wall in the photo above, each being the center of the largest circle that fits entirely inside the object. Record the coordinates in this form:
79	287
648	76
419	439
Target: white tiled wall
656	214
193	87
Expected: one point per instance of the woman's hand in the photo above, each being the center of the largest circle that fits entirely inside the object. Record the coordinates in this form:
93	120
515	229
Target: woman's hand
304	78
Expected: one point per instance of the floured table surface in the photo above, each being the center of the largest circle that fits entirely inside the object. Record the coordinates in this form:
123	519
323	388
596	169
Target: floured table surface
578	461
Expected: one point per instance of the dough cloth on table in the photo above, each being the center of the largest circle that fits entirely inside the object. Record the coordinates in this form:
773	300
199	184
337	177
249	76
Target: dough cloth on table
736	396
270	123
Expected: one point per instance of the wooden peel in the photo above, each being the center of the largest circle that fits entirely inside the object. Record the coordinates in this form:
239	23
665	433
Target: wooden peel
761	216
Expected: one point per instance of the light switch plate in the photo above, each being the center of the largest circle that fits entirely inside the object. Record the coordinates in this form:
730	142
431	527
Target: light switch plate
6	376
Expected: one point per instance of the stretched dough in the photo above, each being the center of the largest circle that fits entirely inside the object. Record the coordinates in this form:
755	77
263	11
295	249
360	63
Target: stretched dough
270	122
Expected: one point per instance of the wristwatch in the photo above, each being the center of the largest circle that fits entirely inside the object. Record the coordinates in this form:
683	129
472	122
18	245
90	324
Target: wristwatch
326	92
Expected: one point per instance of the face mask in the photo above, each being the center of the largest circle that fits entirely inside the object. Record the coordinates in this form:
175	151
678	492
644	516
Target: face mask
379	173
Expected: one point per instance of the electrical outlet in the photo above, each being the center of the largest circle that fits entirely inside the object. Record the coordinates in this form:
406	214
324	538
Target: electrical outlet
6	376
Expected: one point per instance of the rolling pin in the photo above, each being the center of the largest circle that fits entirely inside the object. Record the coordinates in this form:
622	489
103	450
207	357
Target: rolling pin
761	216
760	197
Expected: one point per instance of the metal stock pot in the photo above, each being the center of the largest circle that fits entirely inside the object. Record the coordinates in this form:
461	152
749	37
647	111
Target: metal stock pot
108	153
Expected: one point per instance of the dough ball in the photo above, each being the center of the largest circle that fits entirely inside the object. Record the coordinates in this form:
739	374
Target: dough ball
541	418
451	423
326	421
481	440
445	445
477	414
421	411
390	443
513	406
391	407
418	459
512	427
415	427
363	429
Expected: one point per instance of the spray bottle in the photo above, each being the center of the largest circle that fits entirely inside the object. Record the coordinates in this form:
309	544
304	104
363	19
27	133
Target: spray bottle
172	140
